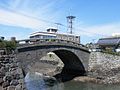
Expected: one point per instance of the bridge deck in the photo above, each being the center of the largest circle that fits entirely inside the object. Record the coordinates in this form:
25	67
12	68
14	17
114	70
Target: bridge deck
48	42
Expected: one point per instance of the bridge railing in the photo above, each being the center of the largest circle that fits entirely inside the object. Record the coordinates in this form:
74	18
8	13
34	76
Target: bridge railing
47	41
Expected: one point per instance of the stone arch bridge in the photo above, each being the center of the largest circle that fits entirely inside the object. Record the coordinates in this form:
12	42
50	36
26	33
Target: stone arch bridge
75	56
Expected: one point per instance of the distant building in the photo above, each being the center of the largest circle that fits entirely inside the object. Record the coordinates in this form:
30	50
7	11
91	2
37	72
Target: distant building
13	38
109	43
52	34
2	38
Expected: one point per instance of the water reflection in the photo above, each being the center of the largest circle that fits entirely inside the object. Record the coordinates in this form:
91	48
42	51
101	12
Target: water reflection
89	86
36	81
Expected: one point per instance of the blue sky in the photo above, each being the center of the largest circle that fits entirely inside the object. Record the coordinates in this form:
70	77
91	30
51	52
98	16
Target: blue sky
94	18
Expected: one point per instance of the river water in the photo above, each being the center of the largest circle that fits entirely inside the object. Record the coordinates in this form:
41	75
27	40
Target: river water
73	86
34	82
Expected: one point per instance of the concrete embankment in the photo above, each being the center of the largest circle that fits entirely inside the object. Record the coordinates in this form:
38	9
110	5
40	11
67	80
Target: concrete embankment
105	68
11	75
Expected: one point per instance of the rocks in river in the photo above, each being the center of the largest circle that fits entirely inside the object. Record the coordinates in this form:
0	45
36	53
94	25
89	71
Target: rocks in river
49	81
39	78
85	79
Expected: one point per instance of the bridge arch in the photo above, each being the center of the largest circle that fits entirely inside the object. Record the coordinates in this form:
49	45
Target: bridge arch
75	58
72	64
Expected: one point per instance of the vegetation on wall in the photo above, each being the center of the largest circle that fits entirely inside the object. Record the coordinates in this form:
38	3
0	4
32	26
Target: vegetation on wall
9	46
111	51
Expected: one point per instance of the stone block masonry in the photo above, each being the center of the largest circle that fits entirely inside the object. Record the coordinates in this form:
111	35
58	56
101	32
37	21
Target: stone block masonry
105	67
11	75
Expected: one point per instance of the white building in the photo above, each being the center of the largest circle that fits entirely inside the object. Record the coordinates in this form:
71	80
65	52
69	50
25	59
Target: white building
52	34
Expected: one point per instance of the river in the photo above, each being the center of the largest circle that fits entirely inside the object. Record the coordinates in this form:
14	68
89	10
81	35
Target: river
74	86
34	82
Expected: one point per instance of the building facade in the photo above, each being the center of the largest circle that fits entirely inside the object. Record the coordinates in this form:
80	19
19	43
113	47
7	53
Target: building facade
52	34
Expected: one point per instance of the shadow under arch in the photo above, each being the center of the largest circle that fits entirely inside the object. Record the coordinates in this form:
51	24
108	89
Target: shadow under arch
73	67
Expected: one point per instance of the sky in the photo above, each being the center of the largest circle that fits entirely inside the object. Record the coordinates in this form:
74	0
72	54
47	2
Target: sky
94	18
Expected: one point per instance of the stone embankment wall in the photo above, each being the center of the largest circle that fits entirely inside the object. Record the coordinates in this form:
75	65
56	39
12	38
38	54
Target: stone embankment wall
11	76
104	67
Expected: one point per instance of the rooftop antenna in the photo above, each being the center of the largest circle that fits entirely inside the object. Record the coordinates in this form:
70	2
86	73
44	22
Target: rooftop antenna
70	23
57	25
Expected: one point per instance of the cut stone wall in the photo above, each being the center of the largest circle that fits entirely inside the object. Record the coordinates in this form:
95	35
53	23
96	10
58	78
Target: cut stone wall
11	75
107	61
105	67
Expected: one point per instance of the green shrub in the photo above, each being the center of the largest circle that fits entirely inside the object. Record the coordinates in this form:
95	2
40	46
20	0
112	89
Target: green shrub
8	45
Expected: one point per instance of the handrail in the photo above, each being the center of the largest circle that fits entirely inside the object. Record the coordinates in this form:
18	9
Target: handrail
39	41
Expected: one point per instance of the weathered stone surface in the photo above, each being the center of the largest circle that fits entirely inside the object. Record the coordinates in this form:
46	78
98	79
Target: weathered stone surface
5	84
1	88
74	57
14	82
16	76
11	88
2	74
4	69
19	87
8	78
50	81
21	81
105	67
13	65
86	79
9	74
19	71
4	88
5	61
1	65
1	81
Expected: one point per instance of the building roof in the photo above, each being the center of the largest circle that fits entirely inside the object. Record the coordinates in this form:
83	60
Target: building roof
51	34
109	41
43	33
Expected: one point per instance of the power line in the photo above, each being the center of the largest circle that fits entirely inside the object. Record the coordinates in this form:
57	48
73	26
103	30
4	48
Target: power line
58	24
84	31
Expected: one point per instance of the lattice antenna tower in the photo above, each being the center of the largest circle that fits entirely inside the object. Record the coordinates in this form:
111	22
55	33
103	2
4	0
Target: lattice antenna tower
70	23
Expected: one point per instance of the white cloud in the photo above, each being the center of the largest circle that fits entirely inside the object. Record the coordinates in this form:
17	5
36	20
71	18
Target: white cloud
15	19
101	30
29	17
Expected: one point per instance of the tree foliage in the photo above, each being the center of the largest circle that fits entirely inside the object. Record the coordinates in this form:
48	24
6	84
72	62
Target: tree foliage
9	46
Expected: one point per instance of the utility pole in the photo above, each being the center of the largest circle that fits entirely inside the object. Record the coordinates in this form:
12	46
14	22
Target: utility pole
70	23
57	25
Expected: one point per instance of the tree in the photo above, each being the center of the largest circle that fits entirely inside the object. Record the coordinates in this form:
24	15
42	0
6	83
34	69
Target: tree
9	46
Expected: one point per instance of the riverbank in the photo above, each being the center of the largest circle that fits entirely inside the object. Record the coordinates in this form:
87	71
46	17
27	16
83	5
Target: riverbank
11	75
105	68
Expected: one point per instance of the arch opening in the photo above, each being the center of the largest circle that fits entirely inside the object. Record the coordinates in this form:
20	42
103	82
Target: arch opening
73	67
